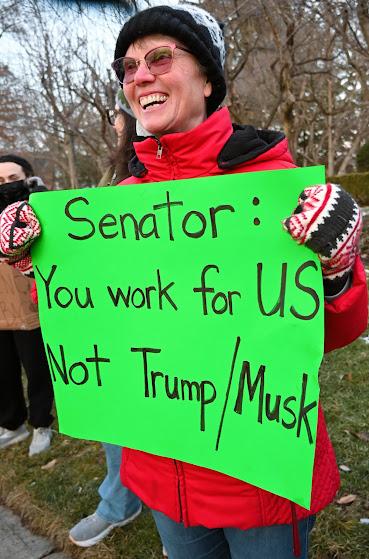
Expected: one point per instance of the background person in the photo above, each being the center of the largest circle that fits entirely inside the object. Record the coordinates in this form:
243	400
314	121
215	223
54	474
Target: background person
118	505
23	347
124	123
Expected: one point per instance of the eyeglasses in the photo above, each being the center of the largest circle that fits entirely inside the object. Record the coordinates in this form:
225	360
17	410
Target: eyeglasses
158	61
111	115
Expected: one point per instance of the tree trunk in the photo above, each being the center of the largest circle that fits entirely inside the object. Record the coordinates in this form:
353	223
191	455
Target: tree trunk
348	156
69	141
330	154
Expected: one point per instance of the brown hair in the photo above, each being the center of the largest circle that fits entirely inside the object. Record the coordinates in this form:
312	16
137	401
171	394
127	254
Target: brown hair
124	151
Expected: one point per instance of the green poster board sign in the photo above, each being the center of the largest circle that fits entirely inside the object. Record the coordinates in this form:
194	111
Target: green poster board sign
179	318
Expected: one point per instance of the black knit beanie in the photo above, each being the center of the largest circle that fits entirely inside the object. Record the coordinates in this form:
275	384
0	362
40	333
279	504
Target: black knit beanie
195	28
10	158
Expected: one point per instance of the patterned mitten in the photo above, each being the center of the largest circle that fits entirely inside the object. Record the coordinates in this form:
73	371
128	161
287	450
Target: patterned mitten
19	227
328	220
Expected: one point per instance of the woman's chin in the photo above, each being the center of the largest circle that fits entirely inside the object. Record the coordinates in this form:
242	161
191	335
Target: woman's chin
152	126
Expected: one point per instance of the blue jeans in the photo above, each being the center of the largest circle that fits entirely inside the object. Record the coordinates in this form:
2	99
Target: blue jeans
271	542
117	502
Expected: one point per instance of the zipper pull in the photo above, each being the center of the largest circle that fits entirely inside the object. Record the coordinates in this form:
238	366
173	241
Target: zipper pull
159	153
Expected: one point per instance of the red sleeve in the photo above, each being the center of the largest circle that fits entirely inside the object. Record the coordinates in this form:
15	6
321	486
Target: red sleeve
347	316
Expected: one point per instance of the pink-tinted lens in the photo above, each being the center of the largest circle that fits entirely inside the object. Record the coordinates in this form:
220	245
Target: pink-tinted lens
159	60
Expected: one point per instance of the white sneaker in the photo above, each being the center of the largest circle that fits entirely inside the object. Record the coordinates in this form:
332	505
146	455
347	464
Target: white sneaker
91	530
40	441
9	437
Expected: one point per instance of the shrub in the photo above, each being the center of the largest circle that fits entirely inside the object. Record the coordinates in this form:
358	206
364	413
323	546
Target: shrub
362	158
355	183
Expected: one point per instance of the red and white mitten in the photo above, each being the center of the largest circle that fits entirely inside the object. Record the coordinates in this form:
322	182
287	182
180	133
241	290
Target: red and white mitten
19	227
328	220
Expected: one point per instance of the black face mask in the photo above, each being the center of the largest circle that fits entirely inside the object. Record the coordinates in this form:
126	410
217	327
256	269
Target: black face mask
11	192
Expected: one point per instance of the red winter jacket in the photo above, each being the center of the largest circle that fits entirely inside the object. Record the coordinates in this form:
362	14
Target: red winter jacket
196	495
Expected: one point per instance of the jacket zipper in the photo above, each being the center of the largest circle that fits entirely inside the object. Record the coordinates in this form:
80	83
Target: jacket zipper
179	491
159	151
159	154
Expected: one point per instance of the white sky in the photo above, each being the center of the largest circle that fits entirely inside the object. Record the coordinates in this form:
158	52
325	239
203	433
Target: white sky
102	34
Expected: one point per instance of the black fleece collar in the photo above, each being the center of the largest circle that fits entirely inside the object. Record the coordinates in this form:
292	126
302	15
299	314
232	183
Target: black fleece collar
245	144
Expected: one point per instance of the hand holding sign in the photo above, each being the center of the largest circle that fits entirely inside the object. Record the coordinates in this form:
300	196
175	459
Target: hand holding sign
19	227
327	220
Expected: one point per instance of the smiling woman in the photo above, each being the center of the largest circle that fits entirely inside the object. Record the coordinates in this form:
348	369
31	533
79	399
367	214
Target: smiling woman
169	62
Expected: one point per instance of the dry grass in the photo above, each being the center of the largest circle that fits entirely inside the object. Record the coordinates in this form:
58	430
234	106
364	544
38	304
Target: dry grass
51	501
344	383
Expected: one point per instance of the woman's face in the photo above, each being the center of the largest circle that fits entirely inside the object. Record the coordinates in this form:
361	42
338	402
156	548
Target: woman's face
180	95
119	122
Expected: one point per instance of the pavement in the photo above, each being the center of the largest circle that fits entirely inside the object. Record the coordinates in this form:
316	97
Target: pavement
17	542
